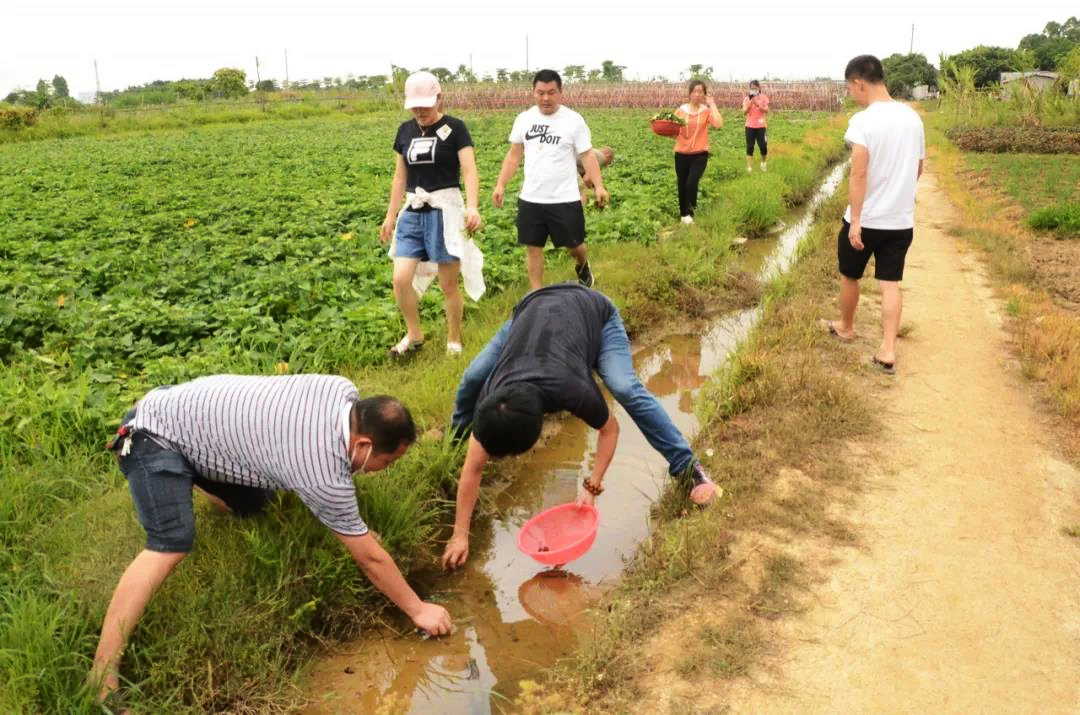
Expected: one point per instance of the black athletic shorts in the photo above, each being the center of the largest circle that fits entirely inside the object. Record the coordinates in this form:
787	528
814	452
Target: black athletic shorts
888	247
565	223
756	134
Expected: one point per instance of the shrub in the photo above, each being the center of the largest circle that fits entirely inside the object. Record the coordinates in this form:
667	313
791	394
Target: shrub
1063	219
17	118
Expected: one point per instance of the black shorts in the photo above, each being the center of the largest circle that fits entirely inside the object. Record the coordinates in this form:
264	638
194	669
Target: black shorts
889	247
565	223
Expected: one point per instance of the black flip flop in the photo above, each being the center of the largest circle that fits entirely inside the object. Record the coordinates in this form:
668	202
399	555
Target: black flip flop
889	368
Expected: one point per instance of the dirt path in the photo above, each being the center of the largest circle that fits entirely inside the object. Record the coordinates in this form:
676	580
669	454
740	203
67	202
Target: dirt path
963	595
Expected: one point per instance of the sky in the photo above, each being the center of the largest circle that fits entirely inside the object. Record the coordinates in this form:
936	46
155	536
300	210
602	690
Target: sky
137	41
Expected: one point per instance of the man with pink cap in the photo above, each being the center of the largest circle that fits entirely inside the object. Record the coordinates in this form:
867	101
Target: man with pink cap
429	236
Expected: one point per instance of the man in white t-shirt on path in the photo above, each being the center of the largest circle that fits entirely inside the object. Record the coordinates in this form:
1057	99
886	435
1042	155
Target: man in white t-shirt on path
551	138
888	149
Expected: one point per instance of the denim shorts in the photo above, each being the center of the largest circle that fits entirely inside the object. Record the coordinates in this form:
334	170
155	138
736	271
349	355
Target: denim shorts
161	480
420	235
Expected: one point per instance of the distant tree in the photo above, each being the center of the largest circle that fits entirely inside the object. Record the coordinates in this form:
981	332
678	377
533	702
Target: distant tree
988	63
521	75
573	73
228	82
398	76
266	85
699	72
501	75
1069	67
611	72
464	74
60	87
594	75
42	95
190	89
1052	45
905	72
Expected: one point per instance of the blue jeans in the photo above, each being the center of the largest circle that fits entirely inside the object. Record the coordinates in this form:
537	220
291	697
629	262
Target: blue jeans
616	368
160	481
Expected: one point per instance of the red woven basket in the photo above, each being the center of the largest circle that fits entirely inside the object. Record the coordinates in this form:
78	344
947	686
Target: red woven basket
666	128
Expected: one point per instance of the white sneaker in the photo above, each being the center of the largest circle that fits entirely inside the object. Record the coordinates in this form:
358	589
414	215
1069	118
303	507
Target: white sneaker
453	349
763	166
749	170
688	219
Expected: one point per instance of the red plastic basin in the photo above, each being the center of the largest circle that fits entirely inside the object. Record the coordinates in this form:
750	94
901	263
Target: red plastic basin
665	127
560	534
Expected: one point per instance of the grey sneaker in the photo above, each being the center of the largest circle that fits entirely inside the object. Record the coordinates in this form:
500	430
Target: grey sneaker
584	275
704	490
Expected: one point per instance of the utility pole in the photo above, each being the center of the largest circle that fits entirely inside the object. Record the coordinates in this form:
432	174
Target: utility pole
258	79
526	53
97	85
286	68
911	47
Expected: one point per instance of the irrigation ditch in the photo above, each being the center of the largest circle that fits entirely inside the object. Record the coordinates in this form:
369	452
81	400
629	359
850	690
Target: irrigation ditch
515	618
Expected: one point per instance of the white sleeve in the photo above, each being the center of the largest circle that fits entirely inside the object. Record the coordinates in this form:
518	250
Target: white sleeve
517	132
855	133
582	137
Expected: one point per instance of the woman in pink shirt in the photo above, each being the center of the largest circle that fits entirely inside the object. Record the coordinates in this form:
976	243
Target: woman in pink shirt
692	145
755	106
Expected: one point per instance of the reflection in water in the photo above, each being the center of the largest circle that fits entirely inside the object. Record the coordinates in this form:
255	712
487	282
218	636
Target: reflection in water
556	597
514	617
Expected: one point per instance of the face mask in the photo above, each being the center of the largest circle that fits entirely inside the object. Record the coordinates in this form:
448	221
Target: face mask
367	456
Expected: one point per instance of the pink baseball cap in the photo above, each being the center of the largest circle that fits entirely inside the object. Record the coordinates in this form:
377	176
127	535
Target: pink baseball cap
421	90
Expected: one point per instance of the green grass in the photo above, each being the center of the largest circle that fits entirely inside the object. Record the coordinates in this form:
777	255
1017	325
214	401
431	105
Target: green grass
1063	220
1034	181
263	276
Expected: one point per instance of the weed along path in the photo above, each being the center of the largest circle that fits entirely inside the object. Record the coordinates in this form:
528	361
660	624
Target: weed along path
962	594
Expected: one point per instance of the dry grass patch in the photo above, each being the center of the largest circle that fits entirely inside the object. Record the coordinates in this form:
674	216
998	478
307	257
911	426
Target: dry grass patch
1038	277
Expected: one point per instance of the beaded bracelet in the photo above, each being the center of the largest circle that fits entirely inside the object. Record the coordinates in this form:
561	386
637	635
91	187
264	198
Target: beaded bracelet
590	488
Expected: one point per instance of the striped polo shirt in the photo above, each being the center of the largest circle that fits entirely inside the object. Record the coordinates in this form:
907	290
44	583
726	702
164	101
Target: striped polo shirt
284	432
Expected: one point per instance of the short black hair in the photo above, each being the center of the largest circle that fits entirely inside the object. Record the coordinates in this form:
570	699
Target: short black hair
694	83
548	76
509	420
385	421
755	83
865	67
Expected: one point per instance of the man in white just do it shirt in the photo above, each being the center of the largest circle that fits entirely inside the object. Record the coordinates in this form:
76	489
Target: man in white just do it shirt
551	138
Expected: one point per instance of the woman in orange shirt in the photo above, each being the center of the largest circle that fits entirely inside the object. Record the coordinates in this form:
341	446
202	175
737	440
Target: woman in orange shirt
692	145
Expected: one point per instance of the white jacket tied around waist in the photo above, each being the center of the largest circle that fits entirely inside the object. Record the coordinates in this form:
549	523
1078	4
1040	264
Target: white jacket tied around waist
458	245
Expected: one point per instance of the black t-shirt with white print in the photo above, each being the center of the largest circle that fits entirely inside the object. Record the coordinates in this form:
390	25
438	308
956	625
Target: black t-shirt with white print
431	153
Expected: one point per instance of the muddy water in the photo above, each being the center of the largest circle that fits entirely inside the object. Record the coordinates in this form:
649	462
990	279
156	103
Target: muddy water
514	616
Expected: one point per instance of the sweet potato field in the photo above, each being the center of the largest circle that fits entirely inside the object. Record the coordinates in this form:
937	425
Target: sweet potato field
128	261
133	261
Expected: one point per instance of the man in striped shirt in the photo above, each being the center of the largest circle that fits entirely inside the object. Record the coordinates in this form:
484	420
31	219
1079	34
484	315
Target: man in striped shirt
238	439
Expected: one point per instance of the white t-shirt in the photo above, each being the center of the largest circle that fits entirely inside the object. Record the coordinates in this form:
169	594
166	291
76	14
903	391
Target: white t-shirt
552	144
893	134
